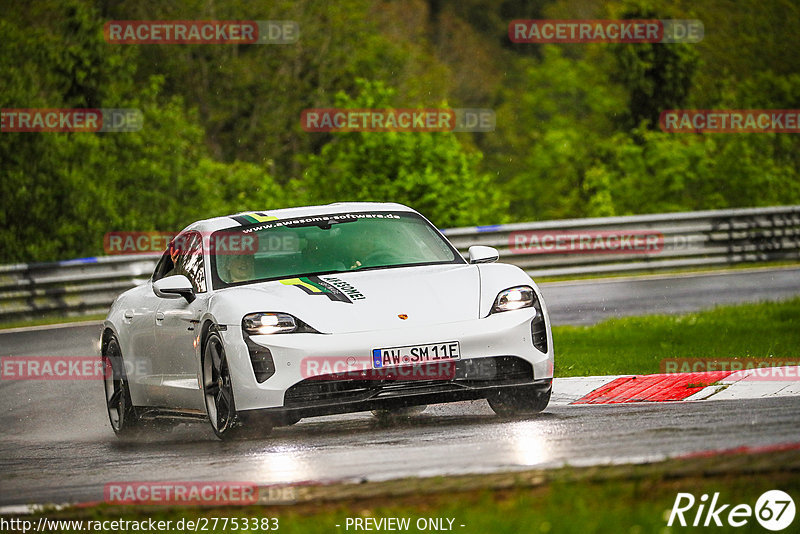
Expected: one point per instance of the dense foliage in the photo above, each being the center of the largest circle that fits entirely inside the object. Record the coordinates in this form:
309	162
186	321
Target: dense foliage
576	133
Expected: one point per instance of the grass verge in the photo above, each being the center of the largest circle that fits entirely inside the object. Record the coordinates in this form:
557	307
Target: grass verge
628	499
51	321
718	269
637	345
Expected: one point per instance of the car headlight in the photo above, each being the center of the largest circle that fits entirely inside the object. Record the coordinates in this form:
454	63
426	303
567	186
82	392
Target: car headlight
514	298
273	323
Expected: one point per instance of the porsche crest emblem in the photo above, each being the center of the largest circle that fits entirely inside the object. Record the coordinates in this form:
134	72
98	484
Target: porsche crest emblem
403	316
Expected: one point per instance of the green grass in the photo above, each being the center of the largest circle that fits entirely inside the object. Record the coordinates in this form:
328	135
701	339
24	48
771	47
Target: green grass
627	499
644	273
51	320
639	344
630	506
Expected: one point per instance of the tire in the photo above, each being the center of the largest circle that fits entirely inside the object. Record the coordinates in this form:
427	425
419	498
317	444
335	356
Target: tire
519	401
218	392
121	412
392	414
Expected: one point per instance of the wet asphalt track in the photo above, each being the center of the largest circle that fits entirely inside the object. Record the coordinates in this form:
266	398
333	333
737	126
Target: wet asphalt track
56	444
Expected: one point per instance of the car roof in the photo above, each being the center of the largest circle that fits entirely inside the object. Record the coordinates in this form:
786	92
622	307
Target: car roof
253	217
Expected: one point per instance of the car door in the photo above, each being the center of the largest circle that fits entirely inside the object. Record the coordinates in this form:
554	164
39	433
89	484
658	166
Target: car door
177	331
139	314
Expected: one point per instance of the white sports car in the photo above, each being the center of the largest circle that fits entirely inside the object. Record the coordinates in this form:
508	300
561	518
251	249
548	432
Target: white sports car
263	318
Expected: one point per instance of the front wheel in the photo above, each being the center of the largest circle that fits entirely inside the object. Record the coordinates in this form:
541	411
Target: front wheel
218	391
519	401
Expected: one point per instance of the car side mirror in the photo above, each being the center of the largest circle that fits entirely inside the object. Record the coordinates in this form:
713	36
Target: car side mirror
173	287
481	254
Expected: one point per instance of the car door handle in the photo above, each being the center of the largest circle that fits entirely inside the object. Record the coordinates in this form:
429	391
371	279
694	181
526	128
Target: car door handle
129	314
159	317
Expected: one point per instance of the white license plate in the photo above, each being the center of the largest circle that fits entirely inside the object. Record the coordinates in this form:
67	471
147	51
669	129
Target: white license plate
415	354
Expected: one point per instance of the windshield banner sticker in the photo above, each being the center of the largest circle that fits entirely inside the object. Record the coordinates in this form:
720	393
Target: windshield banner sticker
253	218
317	220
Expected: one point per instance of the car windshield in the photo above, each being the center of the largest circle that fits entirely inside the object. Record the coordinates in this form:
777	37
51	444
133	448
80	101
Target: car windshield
326	244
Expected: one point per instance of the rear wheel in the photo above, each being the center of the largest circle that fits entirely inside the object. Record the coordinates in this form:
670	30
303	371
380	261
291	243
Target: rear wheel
218	390
391	414
519	401
121	412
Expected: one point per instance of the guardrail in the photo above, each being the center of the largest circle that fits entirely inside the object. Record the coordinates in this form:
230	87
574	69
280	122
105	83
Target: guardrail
677	240
69	288
573	247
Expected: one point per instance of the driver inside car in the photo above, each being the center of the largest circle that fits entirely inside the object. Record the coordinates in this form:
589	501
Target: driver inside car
239	268
369	249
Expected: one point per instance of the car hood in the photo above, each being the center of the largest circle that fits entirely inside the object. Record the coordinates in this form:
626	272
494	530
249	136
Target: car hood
364	300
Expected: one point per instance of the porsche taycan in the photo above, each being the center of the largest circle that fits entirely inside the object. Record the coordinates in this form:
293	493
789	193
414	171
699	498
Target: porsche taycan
260	319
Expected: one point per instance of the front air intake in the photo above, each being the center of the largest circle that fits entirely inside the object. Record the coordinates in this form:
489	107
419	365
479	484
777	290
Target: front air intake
538	329
260	359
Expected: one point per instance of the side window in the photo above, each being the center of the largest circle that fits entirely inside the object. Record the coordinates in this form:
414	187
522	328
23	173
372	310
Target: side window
164	267
188	257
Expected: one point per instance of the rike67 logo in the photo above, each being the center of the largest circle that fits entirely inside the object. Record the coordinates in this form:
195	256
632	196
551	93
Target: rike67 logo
774	510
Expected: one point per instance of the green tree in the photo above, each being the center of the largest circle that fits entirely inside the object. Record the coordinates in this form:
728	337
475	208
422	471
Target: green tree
548	133
656	76
250	97
63	191
428	171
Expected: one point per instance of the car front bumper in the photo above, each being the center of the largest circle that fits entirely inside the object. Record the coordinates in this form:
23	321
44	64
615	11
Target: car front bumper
496	352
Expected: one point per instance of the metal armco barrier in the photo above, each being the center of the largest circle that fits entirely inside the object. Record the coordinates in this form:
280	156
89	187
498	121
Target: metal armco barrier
680	240
69	288
573	247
